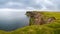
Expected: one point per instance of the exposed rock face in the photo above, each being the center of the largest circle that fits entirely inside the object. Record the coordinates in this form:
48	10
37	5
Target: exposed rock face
39	18
51	19
30	14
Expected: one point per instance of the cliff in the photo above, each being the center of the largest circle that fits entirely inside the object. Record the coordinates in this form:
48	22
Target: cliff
39	18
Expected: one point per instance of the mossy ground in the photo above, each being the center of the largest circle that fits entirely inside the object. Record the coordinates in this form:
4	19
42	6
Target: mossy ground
51	28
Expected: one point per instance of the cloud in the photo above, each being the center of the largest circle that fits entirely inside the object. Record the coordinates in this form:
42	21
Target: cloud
31	4
14	3
20	4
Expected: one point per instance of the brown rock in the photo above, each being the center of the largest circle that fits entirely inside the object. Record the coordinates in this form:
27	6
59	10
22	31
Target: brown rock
51	19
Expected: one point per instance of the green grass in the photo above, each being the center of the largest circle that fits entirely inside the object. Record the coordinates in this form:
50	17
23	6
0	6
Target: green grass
55	14
52	28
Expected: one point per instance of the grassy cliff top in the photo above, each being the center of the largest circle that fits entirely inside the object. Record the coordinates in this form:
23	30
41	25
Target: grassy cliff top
48	14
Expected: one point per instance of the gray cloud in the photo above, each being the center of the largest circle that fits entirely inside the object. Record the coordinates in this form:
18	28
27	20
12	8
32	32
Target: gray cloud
23	4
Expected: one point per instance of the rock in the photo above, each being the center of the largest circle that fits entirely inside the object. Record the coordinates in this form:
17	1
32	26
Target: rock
30	14
51	19
39	18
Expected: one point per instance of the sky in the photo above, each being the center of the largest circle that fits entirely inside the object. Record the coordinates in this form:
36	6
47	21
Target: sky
17	5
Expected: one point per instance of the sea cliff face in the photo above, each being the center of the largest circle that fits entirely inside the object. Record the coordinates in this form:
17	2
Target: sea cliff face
38	18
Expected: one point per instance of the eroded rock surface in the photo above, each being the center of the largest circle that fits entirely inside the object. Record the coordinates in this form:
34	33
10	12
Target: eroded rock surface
39	18
51	19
